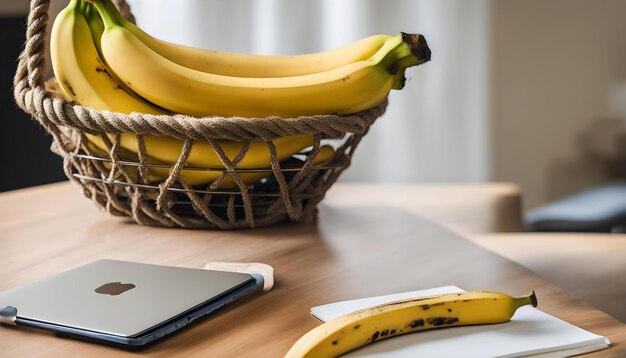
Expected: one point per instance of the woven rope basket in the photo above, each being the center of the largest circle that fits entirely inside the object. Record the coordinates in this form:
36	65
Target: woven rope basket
121	186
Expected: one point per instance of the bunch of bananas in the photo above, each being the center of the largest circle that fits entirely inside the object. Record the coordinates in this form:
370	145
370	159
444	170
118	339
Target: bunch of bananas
105	62
373	324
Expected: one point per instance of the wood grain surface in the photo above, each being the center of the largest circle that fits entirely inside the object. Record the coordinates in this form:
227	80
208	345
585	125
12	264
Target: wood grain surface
354	250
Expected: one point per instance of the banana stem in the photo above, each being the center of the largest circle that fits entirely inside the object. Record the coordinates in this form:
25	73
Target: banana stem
417	44
107	18
411	50
530	299
75	5
533	298
115	13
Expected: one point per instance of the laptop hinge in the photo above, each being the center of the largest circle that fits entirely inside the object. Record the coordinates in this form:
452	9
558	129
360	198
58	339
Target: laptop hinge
8	315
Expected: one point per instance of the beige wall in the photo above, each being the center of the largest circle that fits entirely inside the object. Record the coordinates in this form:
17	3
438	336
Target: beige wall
21	7
554	64
13	7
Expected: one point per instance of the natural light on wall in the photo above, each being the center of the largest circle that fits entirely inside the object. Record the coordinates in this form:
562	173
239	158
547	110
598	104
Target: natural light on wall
436	130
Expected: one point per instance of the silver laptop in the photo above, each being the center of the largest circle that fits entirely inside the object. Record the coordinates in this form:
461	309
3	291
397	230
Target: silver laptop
125	303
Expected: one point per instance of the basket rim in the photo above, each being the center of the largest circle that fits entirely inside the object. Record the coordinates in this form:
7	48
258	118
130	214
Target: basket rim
49	106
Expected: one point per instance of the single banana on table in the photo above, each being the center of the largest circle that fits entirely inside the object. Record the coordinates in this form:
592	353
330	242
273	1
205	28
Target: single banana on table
350	88
85	78
373	324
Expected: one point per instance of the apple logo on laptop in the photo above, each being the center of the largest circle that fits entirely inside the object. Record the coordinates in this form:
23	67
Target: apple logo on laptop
114	288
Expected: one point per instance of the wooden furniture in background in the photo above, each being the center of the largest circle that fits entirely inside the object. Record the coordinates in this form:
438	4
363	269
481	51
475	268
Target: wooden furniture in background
591	267
357	248
467	208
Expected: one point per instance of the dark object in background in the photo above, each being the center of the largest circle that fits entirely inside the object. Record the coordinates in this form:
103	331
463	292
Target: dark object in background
599	209
25	157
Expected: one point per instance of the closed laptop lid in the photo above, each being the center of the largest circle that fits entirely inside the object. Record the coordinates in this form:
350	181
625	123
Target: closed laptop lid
117	297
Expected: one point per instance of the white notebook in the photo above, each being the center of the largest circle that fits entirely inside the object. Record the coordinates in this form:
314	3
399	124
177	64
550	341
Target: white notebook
530	332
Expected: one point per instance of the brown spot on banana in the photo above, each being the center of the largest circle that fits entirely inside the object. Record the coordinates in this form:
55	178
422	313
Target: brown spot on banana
104	70
425	307
417	323
441	321
375	336
69	87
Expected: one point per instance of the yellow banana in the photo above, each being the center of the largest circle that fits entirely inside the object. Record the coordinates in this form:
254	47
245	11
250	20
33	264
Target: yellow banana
201	177
81	72
85	79
369	325
202	155
196	177
165	150
347	89
242	65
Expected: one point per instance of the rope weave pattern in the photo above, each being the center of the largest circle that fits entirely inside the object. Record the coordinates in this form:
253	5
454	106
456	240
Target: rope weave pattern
127	191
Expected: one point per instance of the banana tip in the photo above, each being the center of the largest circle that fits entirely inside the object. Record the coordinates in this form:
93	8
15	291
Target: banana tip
533	298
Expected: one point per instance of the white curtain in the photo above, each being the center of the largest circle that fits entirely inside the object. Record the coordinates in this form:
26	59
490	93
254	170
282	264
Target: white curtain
435	129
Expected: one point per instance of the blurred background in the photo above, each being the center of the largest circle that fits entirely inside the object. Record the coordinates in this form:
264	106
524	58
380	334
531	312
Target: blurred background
531	92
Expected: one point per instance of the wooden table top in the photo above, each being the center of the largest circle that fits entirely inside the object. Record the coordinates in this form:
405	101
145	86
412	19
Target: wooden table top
356	249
